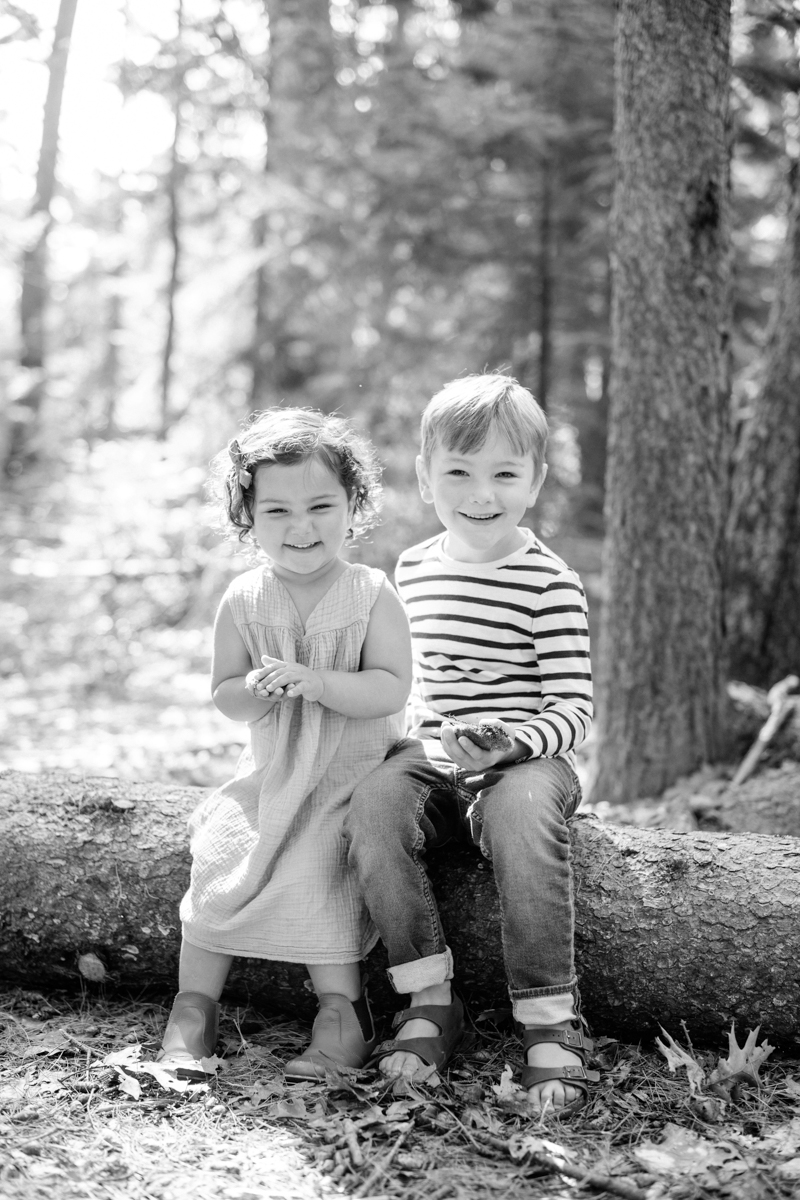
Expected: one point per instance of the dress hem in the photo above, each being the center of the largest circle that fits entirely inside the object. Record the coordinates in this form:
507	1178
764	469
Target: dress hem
275	954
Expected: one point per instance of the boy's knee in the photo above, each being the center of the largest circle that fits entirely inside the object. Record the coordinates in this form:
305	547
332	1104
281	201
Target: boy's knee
523	803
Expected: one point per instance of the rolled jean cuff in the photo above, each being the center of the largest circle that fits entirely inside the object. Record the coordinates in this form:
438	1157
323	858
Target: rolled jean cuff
545	1010
422	972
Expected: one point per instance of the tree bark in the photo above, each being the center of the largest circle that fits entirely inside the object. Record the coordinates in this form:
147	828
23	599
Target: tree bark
763	543
698	927
661	679
24	416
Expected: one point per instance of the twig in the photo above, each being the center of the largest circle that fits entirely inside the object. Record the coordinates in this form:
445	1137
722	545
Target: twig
351	1141
602	1183
380	1167
780	705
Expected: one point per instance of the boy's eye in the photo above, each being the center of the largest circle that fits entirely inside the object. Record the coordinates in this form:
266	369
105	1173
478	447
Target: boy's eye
456	471
507	474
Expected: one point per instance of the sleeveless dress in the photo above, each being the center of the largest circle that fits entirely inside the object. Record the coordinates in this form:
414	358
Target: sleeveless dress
269	871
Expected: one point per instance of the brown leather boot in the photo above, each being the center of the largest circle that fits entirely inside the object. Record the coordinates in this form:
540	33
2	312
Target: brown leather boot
191	1032
343	1036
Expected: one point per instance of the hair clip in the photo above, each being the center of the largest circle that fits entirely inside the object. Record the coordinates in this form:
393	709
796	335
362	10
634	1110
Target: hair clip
244	476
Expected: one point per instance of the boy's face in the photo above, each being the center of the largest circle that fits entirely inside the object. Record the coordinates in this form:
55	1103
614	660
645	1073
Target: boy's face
480	497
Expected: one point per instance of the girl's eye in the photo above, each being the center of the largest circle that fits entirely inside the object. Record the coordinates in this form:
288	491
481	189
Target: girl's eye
507	474
322	506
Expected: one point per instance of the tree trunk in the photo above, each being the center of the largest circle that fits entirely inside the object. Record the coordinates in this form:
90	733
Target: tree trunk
661	696
24	416
545	284
174	177
298	118
763	578
702	927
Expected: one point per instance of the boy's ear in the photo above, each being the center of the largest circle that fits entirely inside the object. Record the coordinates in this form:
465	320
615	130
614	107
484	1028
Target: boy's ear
536	486
424	482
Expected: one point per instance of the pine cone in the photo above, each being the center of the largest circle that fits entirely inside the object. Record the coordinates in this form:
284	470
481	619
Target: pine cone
488	737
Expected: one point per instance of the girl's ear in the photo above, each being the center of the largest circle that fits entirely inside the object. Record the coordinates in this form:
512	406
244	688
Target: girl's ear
423	480
536	486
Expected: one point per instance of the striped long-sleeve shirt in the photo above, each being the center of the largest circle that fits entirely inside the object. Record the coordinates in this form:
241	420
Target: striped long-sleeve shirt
505	639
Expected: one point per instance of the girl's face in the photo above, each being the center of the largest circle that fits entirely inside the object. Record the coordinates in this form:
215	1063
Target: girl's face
301	515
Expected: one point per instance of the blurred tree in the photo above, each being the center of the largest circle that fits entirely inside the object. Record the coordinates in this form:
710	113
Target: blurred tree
24	415
661	701
300	120
174	232
763	560
763	549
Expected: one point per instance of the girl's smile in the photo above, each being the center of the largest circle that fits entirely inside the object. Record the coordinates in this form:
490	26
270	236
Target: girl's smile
301	516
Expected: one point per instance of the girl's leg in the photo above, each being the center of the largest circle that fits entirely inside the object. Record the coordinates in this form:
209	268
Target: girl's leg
191	1032
203	970
344	979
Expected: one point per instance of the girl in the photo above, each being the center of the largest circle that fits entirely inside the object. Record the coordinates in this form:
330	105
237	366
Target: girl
314	654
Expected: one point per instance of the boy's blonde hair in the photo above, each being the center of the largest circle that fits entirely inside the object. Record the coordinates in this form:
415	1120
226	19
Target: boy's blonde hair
463	414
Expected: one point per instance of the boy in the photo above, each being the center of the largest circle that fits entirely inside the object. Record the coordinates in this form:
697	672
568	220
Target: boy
500	638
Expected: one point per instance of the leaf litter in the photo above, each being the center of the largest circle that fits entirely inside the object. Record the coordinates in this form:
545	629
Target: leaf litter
86	1112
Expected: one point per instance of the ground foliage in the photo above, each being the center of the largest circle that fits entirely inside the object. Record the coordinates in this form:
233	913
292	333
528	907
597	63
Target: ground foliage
82	1115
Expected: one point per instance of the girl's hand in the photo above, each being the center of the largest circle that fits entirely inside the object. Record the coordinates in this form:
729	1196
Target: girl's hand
466	754
293	679
255	684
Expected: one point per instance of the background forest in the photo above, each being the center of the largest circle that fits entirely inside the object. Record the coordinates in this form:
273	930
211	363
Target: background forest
240	203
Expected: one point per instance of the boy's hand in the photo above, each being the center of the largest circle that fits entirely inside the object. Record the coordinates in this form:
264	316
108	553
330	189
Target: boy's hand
291	679
465	753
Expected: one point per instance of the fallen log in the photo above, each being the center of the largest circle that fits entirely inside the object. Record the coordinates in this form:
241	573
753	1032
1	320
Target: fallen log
700	927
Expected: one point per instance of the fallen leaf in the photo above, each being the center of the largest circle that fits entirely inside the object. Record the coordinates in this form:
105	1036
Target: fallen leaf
130	1085
783	1140
522	1144
506	1089
682	1152
123	1058
289	1108
742	1064
677	1057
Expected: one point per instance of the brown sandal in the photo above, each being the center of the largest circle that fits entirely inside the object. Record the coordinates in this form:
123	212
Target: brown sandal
574	1076
437	1050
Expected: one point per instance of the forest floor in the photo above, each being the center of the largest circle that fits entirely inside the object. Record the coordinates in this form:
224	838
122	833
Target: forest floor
84	1115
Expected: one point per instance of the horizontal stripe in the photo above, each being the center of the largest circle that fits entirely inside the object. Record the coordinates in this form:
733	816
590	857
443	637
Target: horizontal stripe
526	663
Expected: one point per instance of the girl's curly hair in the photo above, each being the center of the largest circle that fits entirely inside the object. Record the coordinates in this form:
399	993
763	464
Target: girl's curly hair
292	435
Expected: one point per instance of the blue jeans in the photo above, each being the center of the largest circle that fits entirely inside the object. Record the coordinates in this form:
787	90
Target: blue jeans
419	799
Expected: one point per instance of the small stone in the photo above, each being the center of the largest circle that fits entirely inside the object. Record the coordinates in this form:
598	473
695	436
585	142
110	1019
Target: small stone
91	968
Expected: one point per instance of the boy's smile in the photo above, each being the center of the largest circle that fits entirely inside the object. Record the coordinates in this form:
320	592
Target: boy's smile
480	497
